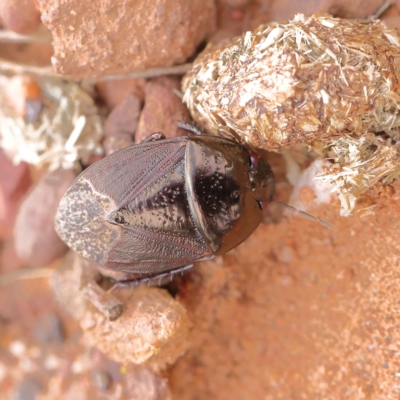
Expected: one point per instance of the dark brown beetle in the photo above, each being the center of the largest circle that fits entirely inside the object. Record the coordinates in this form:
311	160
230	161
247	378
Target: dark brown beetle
153	208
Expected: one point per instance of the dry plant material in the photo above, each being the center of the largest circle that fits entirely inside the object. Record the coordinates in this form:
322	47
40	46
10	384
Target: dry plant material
321	81
67	130
308	81
359	163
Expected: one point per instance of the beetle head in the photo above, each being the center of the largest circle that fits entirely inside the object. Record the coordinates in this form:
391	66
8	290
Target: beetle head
262	180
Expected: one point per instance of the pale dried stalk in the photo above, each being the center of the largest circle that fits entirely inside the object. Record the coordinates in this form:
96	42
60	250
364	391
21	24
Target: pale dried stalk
25	274
9	67
377	14
42	36
151	73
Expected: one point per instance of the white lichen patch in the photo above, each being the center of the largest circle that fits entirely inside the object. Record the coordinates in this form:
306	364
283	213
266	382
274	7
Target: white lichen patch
68	129
324	82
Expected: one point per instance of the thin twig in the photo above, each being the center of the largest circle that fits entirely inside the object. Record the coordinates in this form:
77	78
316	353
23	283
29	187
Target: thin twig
151	73
377	14
24	274
42	36
9	67
385	5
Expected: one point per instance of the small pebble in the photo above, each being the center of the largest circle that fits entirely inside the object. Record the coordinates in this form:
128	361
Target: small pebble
121	125
68	280
9	260
280	11
114	93
51	362
286	254
37	214
25	97
121	37
14	182
163	110
152	329
143	384
49	330
17	348
27	389
101	379
20	16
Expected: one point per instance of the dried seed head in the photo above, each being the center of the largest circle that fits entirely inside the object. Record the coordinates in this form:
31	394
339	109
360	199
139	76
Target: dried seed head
321	81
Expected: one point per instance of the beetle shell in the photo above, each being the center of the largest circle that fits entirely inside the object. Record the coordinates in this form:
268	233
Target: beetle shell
161	205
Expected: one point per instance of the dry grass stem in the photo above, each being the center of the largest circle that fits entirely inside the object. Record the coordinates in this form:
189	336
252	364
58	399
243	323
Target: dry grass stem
151	73
42	36
24	274
9	67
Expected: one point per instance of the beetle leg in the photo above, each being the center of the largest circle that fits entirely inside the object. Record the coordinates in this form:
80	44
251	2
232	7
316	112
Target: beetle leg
138	281
191	127
154	136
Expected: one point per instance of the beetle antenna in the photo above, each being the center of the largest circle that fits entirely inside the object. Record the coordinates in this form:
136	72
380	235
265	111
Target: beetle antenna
307	215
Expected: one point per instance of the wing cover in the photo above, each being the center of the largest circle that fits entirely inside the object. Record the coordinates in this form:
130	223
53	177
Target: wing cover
124	174
147	184
144	251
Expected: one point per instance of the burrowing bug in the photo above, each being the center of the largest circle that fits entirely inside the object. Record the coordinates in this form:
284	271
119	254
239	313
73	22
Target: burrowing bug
158	206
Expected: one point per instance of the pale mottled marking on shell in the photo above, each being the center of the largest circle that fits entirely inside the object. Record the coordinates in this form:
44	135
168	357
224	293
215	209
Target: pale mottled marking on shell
81	222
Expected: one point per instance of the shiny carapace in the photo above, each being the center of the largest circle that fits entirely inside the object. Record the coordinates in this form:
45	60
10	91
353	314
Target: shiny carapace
161	205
